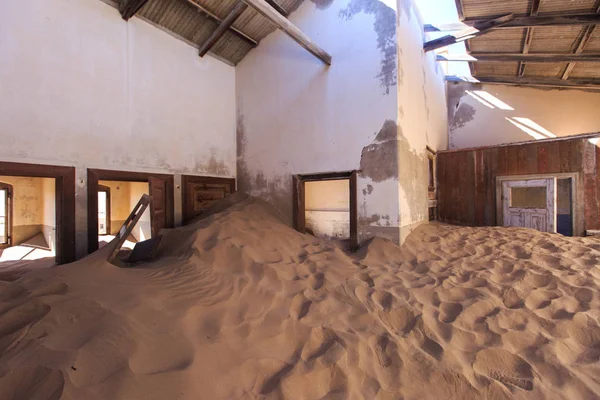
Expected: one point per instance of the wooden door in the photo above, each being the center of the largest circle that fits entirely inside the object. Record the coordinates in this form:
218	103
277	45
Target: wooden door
158	206
530	204
200	193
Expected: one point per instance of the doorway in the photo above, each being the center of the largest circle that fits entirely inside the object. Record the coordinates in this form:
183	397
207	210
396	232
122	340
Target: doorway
104	217
530	204
37	216
325	205
200	192
5	214
545	202
125	190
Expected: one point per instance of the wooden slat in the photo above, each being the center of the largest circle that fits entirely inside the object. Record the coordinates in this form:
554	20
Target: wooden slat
507	57
237	10
263	8
521	22
541	82
580	44
480	28
535	6
131	8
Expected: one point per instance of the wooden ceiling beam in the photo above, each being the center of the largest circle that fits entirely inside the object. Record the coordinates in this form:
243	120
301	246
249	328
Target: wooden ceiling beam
535	82
521	22
580	44
218	33
530	57
476	30
278	7
251	41
267	11
535	6
130	8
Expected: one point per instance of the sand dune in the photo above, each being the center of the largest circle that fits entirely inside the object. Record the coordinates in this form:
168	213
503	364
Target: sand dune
240	306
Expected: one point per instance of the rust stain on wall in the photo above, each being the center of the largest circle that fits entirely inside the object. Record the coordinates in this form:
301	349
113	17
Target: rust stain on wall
379	160
385	27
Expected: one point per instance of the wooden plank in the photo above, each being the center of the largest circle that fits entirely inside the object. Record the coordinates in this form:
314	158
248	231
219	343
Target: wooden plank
128	226
251	41
531	165
480	186
579	44
565	156
469	190
480	29
535	6
223	27
520	21
542	158
130	8
491	162
554	157
263	8
278	7
542	82
522	162
533	57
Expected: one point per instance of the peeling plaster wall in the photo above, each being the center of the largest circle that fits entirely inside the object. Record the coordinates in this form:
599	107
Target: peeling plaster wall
297	116
422	117
527	114
81	87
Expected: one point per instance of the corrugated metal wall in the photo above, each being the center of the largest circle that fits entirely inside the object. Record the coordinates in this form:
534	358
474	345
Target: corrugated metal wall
467	178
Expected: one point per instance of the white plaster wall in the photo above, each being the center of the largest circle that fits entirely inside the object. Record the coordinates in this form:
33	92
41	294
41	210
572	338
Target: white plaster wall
422	116
82	87
296	115
531	114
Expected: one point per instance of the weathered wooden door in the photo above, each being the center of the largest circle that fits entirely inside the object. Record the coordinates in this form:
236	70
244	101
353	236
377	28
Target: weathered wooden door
530	204
204	193
158	207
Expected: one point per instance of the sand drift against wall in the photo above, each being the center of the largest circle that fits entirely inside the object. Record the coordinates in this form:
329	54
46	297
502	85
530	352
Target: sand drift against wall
241	306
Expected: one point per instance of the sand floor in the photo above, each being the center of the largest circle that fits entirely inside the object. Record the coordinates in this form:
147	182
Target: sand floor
241	306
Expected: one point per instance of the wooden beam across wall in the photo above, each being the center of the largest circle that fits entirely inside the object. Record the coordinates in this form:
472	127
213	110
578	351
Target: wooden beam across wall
535	6
218	20
521	22
530	57
237	10
267	11
130	8
580	44
476	30
535	82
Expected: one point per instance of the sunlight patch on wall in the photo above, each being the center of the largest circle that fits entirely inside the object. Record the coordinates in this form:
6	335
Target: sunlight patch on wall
531	128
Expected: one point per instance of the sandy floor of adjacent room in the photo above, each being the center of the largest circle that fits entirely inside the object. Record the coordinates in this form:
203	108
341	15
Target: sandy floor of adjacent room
241	306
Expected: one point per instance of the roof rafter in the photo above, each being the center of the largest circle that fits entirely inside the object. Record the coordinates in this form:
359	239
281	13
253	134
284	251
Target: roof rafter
267	11
535	6
541	82
218	33
218	20
530	57
476	30
130	8
521	22
580	44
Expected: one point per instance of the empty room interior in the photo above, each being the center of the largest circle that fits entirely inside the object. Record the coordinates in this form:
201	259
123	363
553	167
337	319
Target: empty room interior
299	199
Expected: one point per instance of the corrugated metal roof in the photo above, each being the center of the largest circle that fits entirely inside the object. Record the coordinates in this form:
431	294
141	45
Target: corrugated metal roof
195	20
561	40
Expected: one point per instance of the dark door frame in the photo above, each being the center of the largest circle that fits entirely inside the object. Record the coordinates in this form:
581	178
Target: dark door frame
64	201
95	175
8	217
185	179
298	182
102	188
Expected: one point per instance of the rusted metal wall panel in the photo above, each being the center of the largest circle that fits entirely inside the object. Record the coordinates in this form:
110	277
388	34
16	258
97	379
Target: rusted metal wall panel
467	178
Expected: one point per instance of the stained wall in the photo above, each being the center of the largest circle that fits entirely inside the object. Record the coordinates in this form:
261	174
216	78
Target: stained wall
487	115
371	110
82	87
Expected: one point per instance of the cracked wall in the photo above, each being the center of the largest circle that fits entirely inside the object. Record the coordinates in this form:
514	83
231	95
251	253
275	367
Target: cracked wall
296	116
422	117
488	115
